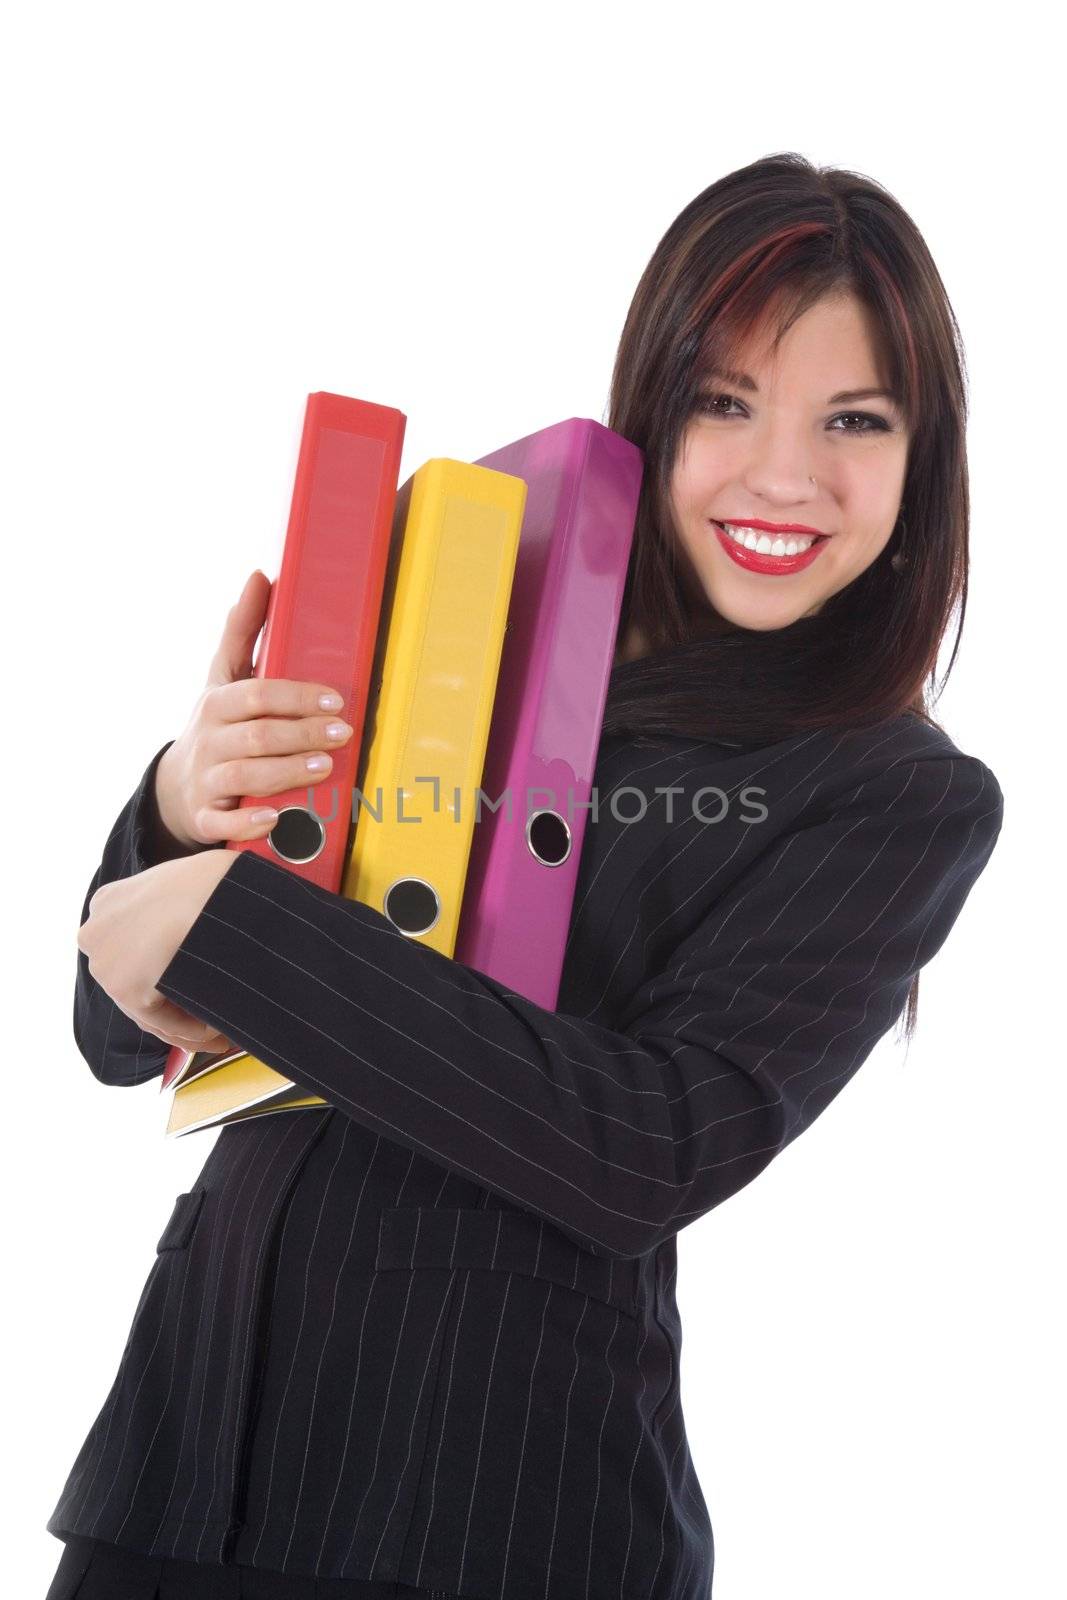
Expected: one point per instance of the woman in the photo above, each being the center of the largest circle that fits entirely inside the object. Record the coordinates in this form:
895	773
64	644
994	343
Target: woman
425	1340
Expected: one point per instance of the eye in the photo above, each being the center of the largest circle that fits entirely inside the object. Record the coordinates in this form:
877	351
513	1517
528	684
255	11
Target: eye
872	423
707	403
868	421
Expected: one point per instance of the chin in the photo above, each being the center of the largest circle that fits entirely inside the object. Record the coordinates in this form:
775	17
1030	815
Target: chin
766	617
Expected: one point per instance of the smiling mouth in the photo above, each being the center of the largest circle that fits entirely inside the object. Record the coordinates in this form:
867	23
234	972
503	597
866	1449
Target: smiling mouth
763	543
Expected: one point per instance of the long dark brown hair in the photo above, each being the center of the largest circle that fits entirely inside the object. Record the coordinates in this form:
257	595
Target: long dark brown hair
759	247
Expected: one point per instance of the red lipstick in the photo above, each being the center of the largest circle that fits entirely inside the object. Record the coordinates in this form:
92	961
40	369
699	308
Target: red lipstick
775	527
772	566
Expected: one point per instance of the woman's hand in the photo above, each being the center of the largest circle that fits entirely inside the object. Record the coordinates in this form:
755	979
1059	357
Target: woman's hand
133	931
246	736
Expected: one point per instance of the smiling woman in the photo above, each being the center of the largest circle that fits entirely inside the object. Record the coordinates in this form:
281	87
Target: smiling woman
784	464
782	293
422	1337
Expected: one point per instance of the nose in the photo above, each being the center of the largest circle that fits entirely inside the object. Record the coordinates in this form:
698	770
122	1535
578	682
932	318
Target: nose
780	472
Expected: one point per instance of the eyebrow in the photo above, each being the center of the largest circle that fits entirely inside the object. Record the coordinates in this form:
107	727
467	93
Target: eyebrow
741	380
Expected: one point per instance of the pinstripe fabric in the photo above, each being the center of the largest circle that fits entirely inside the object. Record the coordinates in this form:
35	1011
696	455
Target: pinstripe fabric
429	1332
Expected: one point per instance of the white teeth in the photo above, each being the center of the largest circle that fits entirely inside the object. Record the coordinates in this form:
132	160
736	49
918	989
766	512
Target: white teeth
793	545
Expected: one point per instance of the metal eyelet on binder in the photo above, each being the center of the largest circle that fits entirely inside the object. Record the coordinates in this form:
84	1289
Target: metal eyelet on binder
411	905
297	836
548	838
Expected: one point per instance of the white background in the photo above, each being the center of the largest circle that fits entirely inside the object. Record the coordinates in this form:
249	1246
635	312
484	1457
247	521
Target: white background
212	211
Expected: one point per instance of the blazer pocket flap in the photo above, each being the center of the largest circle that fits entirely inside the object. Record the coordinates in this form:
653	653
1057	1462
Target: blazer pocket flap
179	1229
410	1237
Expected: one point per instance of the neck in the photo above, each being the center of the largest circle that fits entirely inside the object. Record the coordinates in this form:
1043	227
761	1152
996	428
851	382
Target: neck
631	646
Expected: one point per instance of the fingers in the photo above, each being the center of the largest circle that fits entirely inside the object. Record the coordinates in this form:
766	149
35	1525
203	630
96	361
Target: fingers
272	737
244	623
261	780
171	1025
217	825
212	1044
218	1044
262	757
249	698
248	737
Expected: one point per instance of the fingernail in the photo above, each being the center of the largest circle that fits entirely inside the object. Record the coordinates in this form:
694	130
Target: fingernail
317	763
337	730
330	702
264	816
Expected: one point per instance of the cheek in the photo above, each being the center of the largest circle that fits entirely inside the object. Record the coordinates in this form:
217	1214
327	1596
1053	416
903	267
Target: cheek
873	534
690	495
691	538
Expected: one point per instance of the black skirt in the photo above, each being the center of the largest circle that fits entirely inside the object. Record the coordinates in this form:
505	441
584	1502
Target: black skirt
92	1569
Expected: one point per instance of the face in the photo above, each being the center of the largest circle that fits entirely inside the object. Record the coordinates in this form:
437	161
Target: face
750	454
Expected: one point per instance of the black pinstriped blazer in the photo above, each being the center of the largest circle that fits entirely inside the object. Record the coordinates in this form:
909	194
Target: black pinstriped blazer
428	1333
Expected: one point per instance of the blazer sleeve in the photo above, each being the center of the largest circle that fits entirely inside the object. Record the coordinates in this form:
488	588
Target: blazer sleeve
620	1136
117	1050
